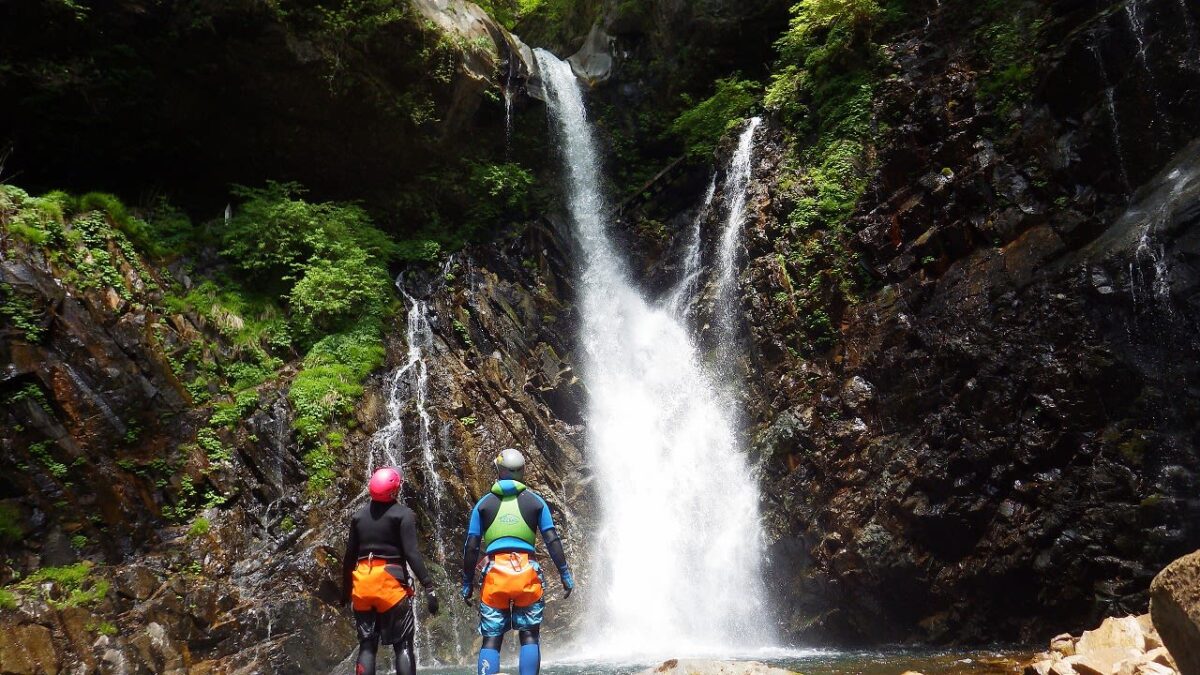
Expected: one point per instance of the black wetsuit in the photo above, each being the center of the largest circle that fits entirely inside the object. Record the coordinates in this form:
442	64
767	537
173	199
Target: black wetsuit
385	531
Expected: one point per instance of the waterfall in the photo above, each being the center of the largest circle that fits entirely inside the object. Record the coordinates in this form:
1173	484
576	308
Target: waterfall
677	557
407	386
691	258
1115	123
736	182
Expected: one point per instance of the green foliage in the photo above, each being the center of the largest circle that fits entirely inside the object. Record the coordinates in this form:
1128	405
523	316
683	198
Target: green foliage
327	258
287	525
11	527
702	125
18	311
332	292
8	599
498	189
41	452
79	542
69	586
418	250
106	628
1009	47
200	527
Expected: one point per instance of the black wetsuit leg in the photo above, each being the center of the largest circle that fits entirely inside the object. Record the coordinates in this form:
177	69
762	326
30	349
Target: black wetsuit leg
493	642
406	658
366	656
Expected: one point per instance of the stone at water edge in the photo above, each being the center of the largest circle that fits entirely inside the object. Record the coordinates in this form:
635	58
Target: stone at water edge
1175	609
1114	633
704	667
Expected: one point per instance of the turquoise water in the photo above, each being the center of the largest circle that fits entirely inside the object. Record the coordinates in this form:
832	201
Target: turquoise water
894	662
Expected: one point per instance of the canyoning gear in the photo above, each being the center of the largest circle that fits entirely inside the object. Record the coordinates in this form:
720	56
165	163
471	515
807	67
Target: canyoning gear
406	657
496	622
568	582
379	585
507	518
393	626
530	654
505	522
385	484
383	532
380	550
466	591
511	578
510	464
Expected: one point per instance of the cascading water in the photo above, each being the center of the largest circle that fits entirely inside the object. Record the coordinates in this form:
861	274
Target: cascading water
736	183
691	259
409	385
678	556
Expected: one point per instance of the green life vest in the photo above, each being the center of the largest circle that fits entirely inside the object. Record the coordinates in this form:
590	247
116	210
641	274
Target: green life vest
509	522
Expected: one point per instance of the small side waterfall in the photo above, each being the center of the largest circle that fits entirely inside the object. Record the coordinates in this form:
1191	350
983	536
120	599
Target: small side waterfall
678	556
1114	122
690	276
408	387
736	182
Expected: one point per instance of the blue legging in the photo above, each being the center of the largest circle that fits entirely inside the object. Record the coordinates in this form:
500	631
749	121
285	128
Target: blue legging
531	654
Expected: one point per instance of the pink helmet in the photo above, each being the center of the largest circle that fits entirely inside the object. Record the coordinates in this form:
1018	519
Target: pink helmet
385	484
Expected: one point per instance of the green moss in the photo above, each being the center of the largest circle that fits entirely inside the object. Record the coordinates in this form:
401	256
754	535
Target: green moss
69	586
703	124
200	527
41	452
8	599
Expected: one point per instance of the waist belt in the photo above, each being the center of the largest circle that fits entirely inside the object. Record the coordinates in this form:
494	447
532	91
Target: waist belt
374	561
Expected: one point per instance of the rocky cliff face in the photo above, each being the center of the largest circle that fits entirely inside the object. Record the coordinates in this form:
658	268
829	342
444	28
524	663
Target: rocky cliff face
1002	435
998	439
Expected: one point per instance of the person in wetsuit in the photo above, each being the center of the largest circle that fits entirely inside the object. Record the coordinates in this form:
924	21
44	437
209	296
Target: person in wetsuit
506	522
375	581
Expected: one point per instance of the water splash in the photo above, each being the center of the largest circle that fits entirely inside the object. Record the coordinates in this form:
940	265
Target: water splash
678	505
736	182
690	277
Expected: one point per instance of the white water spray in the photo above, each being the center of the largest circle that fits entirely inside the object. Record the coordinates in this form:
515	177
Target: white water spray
678	556
736	182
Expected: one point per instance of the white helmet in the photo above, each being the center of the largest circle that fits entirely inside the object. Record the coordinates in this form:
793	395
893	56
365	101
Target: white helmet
510	464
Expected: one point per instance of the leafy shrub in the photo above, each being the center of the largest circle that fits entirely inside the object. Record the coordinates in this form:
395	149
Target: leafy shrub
702	125
331	292
497	191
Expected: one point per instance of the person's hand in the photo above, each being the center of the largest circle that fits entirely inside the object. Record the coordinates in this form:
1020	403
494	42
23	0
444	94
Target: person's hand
568	583
466	591
431	602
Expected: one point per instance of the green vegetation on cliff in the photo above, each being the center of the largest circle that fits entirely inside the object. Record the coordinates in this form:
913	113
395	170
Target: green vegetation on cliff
294	278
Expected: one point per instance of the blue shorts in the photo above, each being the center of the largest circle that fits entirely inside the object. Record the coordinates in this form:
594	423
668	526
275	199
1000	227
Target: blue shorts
496	622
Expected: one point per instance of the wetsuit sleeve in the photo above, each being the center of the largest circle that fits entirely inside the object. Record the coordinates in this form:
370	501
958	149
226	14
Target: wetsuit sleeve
349	560
550	536
408	541
471	547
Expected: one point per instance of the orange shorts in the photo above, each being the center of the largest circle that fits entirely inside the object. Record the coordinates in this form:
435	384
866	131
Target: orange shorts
511	579
378	585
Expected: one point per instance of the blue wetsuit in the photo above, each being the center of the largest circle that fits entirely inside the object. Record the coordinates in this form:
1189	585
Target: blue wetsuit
507	520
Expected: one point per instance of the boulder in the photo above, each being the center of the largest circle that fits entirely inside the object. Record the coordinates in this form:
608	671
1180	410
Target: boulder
703	667
1175	609
1063	644
1114	633
27	650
